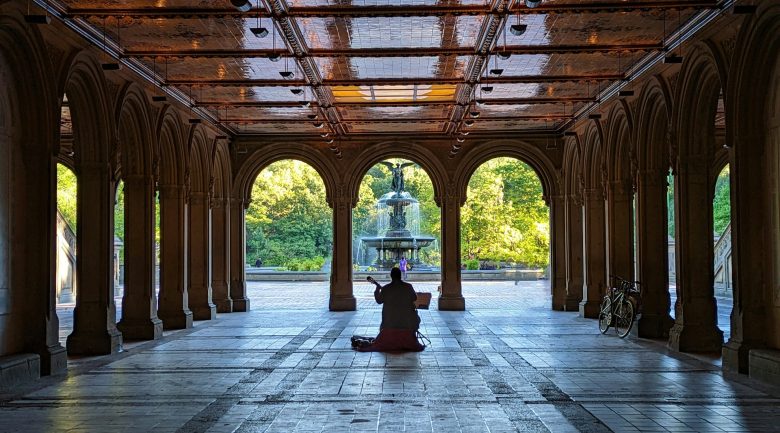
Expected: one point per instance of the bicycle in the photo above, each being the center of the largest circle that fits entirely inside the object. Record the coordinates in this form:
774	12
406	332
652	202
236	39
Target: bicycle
617	307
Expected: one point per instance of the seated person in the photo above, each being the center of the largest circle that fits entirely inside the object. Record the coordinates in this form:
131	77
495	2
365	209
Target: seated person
398	331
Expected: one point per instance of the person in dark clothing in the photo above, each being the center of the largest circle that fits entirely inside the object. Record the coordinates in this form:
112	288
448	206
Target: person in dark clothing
400	322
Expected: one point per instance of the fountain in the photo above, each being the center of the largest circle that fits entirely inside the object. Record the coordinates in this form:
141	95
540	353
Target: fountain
398	225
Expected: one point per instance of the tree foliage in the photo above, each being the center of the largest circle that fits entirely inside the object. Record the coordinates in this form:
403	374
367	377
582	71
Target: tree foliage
721	203
505	218
67	194
288	219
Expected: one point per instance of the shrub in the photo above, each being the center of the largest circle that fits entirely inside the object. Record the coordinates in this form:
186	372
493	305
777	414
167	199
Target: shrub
472	264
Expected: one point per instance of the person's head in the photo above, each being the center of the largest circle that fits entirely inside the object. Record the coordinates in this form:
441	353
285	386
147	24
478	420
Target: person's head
395	274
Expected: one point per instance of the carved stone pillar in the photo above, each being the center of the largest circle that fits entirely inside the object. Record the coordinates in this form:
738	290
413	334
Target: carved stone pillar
94	318
341	295
28	243
652	256
695	328
238	255
139	304
594	237
174	307
220	255
451	292
574	252
199	267
557	205
750	244
620	233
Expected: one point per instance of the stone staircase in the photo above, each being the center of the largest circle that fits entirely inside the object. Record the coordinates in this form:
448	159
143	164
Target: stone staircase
722	263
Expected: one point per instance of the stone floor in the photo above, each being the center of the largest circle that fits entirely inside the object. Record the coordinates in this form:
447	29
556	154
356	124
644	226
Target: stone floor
508	364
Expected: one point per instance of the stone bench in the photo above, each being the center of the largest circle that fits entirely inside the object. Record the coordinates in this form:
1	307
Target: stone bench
765	365
18	369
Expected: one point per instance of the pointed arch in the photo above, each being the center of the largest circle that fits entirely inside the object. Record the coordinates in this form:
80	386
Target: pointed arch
134	131
412	151
619	143
652	130
170	149
592	157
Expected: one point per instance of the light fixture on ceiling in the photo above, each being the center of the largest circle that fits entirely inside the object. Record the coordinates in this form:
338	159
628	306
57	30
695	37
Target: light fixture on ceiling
325	134
318	125
625	93
296	91
468	122
287	74
37	19
159	98
533	3
487	89
273	55
474	113
329	141
241	5
311	116
496	72
259	31
305	103
673	59
464	133
518	29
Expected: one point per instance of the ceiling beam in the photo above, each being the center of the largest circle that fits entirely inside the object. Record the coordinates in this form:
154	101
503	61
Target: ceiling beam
494	101
399	81
398	52
384	11
397	120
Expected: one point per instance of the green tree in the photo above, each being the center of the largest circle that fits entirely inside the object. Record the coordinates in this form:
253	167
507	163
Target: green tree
67	193
289	219
721	204
505	218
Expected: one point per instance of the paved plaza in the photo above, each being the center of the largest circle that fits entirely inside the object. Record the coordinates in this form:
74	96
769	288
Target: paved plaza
507	364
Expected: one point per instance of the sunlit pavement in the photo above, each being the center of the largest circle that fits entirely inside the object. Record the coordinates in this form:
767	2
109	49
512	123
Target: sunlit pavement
507	364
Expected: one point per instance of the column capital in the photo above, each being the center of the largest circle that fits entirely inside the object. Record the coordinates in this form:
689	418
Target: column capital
199	198
593	194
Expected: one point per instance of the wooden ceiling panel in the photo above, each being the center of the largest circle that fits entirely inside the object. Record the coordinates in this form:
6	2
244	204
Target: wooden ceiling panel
386	66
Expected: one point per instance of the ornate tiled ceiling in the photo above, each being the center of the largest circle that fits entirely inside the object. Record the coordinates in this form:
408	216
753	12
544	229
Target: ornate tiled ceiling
387	66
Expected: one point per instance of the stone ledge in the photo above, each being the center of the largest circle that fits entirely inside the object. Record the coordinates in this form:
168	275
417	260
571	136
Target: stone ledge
764	365
18	369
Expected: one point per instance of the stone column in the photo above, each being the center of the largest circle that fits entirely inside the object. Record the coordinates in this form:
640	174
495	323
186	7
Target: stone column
557	205
620	232
574	251
652	256
749	239
238	255
174	301
220	255
94	318
451	297
199	267
695	328
139	304
341	295
594	238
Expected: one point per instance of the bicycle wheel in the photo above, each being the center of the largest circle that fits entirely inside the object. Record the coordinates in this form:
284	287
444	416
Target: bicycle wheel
624	317
605	315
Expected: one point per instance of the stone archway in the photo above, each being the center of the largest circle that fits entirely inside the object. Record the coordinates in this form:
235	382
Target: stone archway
753	129
694	140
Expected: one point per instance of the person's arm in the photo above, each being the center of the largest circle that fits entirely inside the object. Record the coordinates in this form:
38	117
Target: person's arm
377	291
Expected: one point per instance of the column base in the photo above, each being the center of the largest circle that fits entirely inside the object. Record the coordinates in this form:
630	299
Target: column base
207	312
147	329
589	309
97	343
695	338
736	356
176	320
452	303
54	360
240	305
572	303
19	369
653	326
224	305
346	303
765	366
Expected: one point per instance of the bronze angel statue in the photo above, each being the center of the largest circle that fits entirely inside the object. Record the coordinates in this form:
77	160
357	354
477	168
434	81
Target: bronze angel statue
398	174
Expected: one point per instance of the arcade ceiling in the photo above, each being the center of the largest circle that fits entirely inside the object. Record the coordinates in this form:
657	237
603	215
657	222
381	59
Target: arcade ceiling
424	67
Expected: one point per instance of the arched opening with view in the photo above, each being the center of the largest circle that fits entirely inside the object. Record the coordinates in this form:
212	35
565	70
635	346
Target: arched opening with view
289	237
66	288
505	236
396	223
